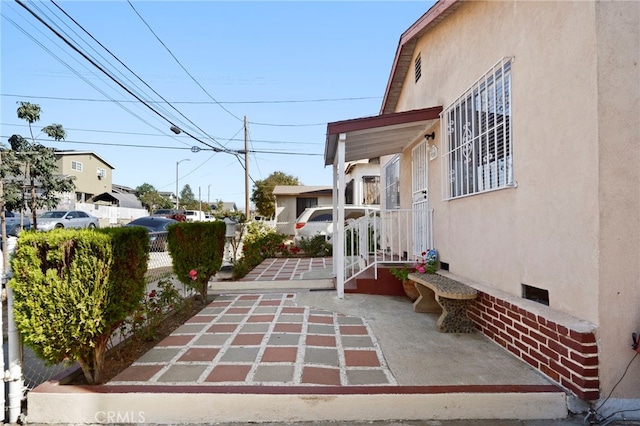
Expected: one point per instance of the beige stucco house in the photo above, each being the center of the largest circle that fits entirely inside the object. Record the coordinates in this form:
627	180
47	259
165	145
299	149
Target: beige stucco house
291	200
516	126
93	175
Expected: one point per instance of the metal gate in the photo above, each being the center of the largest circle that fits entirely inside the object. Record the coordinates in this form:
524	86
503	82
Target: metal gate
422	240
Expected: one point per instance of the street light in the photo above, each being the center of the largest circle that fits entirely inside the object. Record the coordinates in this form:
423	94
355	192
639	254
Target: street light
177	196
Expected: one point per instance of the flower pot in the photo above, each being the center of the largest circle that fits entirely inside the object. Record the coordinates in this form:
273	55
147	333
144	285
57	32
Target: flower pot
410	290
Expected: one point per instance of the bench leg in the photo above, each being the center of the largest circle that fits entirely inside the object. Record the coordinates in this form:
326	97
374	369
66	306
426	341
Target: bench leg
454	316
426	302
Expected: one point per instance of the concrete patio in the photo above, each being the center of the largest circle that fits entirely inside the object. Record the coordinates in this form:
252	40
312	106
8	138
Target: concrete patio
281	347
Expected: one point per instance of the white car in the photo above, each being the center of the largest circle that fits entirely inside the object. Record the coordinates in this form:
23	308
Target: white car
318	220
66	219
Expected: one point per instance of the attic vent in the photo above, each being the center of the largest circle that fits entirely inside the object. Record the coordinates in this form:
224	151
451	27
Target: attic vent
418	67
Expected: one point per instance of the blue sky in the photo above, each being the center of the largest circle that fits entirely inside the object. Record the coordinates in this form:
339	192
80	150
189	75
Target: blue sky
289	67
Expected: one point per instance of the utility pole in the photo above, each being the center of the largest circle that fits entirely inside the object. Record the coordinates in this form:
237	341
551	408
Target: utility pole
246	168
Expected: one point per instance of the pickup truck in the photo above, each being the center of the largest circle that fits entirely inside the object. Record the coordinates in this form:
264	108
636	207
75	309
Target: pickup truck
178	215
13	222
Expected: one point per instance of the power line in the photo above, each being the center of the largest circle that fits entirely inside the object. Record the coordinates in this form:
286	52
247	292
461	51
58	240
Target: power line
179	63
164	135
277	101
105	60
137	76
85	56
29	35
256	151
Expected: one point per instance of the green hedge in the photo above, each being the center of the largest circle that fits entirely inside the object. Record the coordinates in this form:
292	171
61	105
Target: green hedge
197	249
72	288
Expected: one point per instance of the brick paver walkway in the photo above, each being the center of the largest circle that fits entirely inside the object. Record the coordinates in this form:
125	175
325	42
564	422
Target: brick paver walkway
285	269
264	339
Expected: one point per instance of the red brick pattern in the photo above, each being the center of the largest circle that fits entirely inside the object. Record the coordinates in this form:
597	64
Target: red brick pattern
566	356
263	339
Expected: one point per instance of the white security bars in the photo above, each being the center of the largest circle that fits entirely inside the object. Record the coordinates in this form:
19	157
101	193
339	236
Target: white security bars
477	136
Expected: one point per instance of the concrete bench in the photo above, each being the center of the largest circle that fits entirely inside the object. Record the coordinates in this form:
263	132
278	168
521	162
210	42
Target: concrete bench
443	295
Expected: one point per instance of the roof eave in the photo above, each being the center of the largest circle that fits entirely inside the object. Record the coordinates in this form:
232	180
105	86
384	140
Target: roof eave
406	45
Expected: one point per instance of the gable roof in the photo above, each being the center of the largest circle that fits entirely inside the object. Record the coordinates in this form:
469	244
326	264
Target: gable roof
121	200
63	153
406	46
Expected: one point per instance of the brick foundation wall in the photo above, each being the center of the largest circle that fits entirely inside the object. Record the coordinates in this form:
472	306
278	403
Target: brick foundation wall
566	356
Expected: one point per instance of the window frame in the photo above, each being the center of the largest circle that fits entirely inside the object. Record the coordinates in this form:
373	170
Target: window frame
76	166
392	184
477	142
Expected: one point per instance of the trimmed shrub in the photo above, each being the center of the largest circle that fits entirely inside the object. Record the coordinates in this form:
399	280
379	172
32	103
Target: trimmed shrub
196	249
61	296
130	263
259	243
316	246
73	288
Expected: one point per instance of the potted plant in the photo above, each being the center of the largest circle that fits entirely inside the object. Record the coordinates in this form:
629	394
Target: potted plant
407	285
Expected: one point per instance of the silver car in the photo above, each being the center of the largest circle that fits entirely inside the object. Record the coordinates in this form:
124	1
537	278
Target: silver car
66	219
15	224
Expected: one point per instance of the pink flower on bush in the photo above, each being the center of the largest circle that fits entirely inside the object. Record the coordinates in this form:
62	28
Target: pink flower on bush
193	274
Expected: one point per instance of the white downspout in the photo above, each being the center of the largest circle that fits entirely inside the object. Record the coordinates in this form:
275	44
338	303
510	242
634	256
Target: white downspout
339	226
334	203
13	374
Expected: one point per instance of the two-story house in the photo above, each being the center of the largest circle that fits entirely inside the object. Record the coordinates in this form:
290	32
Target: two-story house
93	175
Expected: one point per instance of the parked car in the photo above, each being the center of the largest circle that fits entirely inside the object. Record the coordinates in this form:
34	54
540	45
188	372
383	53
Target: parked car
157	228
12	220
179	215
318	220
66	219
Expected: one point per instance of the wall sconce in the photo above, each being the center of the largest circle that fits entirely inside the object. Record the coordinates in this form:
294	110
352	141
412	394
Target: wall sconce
433	149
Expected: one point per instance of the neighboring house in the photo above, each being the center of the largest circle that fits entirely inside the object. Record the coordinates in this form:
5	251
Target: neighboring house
509	131
227	206
118	200
362	188
291	200
92	173
121	189
363	182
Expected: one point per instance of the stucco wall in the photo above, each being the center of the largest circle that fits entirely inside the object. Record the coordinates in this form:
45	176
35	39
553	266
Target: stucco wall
618	103
544	233
87	180
572	223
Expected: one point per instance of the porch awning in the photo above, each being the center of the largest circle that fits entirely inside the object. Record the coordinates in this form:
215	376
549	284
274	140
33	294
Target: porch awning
372	137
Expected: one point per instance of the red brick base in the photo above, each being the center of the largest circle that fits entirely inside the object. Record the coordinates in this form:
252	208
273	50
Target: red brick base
566	356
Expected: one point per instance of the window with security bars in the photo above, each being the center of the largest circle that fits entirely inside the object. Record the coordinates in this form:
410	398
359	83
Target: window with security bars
392	183
371	189
477	128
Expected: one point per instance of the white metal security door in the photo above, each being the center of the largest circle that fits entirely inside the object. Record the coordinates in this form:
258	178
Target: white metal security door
420	198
